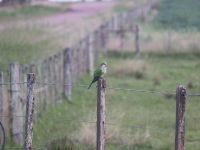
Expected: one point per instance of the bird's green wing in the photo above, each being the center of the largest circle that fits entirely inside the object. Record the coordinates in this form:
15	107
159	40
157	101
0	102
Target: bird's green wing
98	73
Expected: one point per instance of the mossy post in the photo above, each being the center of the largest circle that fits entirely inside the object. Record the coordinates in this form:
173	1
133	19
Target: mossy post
30	102
180	118
100	137
16	122
67	74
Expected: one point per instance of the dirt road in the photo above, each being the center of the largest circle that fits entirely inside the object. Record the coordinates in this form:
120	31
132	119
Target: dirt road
79	11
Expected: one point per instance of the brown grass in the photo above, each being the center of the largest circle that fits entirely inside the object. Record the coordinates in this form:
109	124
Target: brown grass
133	68
114	133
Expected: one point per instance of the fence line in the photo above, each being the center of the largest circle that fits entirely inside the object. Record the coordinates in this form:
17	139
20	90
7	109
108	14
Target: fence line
157	92
60	70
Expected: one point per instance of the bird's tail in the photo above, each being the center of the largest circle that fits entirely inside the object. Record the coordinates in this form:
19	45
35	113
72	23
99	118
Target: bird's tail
90	85
94	80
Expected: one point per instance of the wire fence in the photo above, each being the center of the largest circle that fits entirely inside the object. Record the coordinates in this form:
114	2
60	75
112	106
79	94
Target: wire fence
85	86
55	75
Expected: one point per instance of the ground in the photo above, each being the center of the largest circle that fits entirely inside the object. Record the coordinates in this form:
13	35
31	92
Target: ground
78	11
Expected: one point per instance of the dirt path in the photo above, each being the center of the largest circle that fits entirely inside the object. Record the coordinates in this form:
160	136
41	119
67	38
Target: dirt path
79	11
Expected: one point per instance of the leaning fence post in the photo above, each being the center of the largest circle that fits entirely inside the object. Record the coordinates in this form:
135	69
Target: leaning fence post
1	95
137	42
100	137
180	118
67	74
15	105
30	101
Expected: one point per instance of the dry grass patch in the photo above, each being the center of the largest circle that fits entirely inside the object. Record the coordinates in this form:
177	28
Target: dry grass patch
132	68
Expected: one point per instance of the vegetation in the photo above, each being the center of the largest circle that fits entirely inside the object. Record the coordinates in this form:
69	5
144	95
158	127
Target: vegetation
179	14
30	11
136	120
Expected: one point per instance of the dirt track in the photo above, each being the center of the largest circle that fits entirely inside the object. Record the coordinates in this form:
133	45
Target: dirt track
79	11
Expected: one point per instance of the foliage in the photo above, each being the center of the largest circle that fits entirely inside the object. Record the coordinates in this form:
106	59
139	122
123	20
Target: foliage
177	14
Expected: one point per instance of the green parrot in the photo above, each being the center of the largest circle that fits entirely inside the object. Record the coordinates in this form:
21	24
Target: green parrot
99	73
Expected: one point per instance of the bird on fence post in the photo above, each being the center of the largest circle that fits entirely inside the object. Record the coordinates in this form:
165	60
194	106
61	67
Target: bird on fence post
98	73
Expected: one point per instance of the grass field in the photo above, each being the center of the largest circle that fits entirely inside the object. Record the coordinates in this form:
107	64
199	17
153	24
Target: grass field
179	14
10	14
136	120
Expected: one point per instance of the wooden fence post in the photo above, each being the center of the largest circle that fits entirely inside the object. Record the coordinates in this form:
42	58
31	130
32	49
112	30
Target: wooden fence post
100	137
55	78
103	37
67	74
137	42
1	95
91	54
45	81
180	118
28	133
60	72
122	39
51	81
15	105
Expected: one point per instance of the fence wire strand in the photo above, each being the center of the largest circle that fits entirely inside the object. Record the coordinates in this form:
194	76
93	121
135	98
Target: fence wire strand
156	92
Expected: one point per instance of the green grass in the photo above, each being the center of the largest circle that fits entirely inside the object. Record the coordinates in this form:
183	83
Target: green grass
179	14
140	121
27	38
21	45
30	11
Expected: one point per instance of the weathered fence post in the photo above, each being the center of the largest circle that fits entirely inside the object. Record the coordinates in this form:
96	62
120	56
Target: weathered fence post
122	39
30	101
100	137
60	72
45	81
15	105
55	78
180	118
137	42
91	54
67	74
51	81
1	95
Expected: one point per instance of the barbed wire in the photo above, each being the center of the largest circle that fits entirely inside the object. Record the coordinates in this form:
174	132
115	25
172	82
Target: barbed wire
193	94
157	92
36	148
13	83
107	123
12	116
